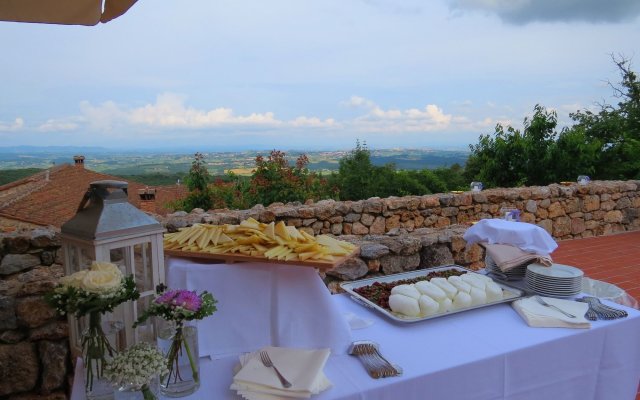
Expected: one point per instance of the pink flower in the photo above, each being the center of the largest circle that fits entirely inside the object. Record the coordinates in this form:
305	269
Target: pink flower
188	300
167	297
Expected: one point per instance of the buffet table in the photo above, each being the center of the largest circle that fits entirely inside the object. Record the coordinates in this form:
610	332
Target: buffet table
482	354
487	353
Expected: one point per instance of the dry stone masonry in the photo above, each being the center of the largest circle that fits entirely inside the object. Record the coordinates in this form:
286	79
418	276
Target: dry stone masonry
398	234
34	350
395	234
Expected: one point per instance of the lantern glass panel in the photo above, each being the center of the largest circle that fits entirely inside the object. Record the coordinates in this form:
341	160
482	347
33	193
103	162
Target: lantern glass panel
117	256
143	267
79	257
145	331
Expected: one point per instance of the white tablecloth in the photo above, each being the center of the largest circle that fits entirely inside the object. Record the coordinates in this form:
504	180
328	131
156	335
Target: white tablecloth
483	354
262	304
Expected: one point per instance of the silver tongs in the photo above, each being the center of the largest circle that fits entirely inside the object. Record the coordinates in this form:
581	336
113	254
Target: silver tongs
376	365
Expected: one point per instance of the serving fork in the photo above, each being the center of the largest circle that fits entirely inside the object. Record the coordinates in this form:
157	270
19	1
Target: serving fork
544	303
599	310
266	360
374	362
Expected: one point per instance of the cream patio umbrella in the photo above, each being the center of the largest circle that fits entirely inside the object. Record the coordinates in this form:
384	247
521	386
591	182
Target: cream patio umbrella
63	12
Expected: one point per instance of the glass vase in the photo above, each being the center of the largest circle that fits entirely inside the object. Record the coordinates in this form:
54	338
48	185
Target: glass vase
179	343
149	391
97	350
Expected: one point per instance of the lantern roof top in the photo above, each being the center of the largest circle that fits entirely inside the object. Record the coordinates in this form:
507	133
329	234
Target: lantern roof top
105	213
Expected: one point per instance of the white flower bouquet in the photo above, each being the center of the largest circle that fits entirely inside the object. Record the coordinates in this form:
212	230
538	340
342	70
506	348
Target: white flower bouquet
136	367
93	292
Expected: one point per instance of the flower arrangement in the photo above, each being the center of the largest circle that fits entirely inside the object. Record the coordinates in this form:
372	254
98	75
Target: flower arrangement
93	292
136	367
179	306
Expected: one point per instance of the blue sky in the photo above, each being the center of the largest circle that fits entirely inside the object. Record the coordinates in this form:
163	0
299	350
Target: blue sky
295	74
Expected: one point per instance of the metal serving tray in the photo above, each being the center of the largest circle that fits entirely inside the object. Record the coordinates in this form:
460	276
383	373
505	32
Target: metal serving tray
511	293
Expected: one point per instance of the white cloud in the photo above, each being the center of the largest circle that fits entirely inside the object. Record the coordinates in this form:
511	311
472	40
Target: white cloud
313	122
170	111
357	102
16	125
103	117
57	125
377	119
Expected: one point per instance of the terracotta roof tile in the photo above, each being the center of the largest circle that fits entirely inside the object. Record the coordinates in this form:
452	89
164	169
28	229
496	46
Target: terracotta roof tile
55	201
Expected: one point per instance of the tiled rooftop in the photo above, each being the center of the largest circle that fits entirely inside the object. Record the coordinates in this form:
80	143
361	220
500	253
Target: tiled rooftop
614	259
55	200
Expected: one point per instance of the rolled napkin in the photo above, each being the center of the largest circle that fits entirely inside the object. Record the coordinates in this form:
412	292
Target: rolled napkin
303	368
508	256
526	236
537	315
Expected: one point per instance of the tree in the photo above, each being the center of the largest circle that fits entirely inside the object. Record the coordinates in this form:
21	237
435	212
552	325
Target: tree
615	131
511	158
604	144
355	174
274	180
197	181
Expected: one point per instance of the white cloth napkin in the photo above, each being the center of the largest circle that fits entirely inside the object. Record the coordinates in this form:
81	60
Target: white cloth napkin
528	237
537	315
507	256
303	368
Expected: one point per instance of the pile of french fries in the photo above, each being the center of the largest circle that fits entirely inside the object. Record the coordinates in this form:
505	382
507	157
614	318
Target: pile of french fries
252	238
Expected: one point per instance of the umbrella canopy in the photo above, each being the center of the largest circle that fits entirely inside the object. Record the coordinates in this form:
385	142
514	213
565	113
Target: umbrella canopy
63	12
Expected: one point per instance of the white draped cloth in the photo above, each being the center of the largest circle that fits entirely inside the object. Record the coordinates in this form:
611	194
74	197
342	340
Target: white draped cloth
262	304
528	237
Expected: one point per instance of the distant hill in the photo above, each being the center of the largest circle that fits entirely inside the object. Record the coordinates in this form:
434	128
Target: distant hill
156	167
12	175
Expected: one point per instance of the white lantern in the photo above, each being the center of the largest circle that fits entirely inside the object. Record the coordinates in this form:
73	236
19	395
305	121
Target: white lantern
108	228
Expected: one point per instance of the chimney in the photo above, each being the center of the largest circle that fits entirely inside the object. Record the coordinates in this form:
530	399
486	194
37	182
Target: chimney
147	200
78	161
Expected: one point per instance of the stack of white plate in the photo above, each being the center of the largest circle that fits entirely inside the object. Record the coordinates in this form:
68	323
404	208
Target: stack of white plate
555	281
515	274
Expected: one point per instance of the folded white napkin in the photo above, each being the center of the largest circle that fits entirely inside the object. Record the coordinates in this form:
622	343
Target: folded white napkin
537	315
303	368
507	256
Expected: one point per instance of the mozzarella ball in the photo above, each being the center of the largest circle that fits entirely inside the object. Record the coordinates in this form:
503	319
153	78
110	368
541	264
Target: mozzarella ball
443	284
428	306
478	296
460	284
473	280
493	291
404	305
484	278
431	290
446	305
407	290
462	300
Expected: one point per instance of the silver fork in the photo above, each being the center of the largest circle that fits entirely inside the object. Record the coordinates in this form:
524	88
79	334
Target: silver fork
544	303
266	360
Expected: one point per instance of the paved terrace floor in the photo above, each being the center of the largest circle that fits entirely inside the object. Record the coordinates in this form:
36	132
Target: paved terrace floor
614	259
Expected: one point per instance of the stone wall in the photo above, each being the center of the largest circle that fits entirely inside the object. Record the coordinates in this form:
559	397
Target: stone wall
34	350
404	233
